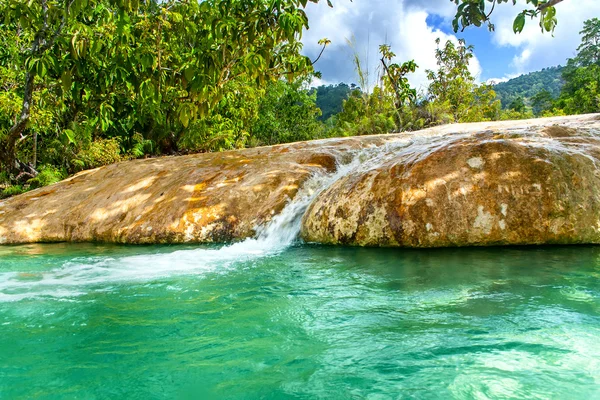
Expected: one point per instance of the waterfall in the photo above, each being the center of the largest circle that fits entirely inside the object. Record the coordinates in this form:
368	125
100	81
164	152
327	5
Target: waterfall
281	232
69	279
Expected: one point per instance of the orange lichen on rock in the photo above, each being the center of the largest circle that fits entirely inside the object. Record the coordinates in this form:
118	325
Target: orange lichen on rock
197	198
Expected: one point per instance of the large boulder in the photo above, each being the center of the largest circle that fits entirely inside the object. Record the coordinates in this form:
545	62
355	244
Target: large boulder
532	182
497	183
213	197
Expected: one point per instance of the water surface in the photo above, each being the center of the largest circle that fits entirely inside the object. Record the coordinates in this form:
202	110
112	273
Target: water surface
305	322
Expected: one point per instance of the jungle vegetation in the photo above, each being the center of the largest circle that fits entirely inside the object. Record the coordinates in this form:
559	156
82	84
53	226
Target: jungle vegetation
91	82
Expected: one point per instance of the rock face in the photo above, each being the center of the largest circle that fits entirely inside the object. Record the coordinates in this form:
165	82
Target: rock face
533	182
516	182
213	197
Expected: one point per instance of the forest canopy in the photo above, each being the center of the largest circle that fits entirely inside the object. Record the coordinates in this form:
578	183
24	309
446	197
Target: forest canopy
91	82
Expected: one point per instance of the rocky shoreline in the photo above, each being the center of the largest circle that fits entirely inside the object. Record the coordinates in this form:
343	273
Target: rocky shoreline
496	183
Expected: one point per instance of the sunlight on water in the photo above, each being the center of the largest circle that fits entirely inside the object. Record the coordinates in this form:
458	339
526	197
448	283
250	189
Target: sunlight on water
302	322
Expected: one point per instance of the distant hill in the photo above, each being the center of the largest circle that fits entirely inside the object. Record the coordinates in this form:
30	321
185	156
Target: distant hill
330	98
527	86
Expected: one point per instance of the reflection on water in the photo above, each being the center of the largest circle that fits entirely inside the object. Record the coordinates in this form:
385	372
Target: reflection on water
306	322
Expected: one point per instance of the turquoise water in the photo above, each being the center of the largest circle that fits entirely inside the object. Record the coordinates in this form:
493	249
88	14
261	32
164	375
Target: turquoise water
306	322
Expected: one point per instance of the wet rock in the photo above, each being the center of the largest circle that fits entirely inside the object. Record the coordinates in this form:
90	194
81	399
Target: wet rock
513	182
517	183
214	197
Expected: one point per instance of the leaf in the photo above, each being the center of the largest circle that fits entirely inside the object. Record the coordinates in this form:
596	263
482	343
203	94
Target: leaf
66	81
70	135
189	73
519	23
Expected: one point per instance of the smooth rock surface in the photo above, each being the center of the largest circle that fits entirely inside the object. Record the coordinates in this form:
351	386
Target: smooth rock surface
508	183
497	183
214	197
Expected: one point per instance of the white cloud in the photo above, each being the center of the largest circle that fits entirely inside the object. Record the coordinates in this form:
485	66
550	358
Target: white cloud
400	23
506	78
403	25
538	50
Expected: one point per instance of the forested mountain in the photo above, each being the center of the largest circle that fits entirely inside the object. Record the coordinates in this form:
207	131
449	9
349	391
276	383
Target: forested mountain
527	86
330	98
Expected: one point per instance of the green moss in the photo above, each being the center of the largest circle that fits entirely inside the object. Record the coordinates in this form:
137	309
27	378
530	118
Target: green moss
12	190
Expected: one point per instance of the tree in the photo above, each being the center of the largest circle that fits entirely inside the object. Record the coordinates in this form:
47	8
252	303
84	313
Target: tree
589	49
529	85
395	79
377	110
581	92
143	67
518	105
287	113
330	99
542	101
478	12
453	86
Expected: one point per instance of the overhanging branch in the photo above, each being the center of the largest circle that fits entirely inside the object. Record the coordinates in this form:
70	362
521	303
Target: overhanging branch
551	3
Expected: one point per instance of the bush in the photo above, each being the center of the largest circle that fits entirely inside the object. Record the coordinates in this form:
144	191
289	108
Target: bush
11	191
47	176
100	152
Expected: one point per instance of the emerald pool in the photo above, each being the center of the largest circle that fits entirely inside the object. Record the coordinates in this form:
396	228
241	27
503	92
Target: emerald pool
305	322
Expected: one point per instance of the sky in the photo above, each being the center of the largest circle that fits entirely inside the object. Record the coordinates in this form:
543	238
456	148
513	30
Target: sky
411	27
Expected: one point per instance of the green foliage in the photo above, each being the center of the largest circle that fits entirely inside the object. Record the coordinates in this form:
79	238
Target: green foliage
478	12
394	79
589	49
529	85
140	146
98	153
47	175
511	114
518	105
330	98
581	92
86	83
542	102
287	113
12	190
453	85
380	111
184	75
366	114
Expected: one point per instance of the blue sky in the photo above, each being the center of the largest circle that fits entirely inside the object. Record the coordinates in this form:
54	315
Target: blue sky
411	27
494	60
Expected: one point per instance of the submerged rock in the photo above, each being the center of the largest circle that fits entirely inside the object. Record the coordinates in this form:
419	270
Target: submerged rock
497	183
517	183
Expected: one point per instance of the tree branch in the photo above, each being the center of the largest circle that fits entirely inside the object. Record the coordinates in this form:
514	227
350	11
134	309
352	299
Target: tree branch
550	3
50	43
319	56
40	45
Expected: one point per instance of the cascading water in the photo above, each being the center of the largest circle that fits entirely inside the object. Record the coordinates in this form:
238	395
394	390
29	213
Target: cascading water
70	278
274	237
264	318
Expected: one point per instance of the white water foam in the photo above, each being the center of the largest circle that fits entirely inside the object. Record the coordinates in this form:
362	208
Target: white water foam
69	279
80	275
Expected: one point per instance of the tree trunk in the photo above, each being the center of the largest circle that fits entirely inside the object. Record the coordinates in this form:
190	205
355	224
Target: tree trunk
41	43
16	131
34	161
